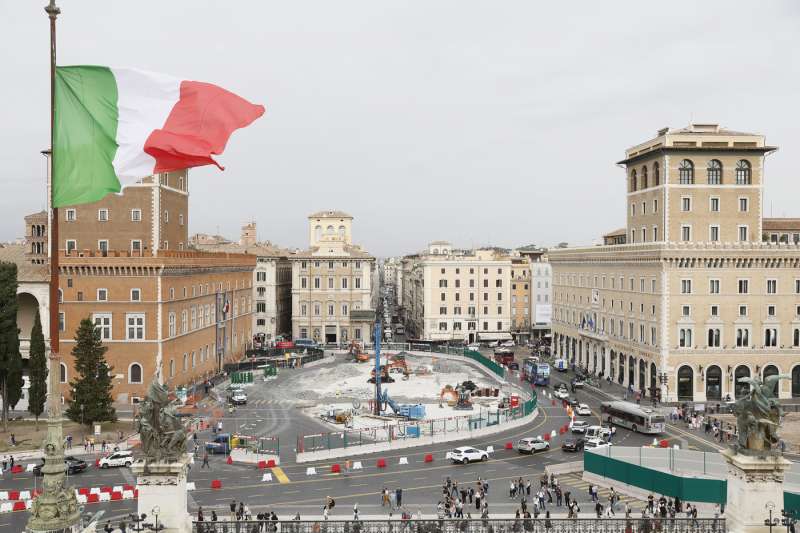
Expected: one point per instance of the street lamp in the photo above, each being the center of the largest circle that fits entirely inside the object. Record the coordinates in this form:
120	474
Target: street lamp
156	527
770	522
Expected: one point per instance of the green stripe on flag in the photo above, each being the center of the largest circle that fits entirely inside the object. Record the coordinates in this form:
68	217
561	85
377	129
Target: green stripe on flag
85	135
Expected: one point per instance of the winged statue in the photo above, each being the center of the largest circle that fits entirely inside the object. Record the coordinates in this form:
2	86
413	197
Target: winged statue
758	415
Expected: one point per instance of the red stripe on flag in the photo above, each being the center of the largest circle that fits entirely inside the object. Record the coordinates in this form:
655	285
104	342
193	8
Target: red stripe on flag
199	126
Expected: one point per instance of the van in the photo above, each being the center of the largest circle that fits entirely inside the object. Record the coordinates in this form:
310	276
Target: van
598	432
305	343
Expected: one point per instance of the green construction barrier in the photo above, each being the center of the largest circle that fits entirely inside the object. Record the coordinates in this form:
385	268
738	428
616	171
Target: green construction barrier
485	361
270	371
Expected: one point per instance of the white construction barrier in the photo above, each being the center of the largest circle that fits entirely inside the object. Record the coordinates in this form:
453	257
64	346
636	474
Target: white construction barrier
6	507
553	434
82	498
311	471
28	504
4	495
490	449
118	488
29	467
128	495
94	490
266	477
24	495
357	465
105	497
189	486
403	460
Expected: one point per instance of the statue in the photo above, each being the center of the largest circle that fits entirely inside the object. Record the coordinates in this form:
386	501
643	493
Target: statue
162	434
758	416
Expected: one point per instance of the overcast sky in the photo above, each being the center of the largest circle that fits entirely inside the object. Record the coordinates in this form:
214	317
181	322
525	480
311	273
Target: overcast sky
473	122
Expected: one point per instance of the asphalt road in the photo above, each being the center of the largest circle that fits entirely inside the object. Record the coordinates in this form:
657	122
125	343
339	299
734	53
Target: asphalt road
293	491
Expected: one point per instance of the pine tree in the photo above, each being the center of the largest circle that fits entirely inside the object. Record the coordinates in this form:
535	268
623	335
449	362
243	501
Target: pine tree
37	371
10	358
92	387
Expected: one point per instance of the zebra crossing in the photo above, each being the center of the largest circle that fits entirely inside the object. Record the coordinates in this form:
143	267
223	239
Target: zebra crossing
271	402
580	489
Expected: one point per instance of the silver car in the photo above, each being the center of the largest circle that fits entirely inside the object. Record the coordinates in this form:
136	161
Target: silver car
532	445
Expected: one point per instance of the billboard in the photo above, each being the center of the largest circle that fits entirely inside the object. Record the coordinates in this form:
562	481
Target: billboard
543	313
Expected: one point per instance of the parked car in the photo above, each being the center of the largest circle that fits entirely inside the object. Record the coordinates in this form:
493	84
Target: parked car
574	444
532	445
72	465
508	344
579	426
467	454
120	458
595	443
583	410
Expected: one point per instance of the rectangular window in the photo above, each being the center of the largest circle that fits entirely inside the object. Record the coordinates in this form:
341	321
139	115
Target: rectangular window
102	295
713	286
499	326
61	321
714	204
345	310
443	310
772	286
317	283
330	282
71	215
742	310
686	233
136	215
102	323
771	311
655	205
770	337
166	216
102	215
303	283
442	326
686	286
685	337
744	286
180	219
743	205
344	283
715	310
135	329
742	233
742	337
331	311
685	310
136	295
713	233
72	245
261	307
686	203
136	246
358	283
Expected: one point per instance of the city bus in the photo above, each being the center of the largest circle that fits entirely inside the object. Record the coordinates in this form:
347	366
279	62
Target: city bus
542	375
633	417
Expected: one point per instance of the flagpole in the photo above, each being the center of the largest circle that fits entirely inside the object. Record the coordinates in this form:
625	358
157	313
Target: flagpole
53	11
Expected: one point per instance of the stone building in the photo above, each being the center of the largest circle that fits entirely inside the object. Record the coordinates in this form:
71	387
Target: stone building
332	283
694	300
520	299
456	295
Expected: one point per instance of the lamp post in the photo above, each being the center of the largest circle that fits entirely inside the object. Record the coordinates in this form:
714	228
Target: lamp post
770	522
155	527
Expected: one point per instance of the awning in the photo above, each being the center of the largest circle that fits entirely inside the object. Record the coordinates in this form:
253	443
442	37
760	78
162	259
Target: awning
498	336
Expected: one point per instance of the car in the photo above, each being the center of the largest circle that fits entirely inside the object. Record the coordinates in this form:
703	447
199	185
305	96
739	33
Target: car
467	454
561	394
474	347
513	365
579	426
595	443
508	344
601	432
583	410
532	445
305	343
574	444
120	458
72	465
493	344
220	444
572	402
237	397
578	383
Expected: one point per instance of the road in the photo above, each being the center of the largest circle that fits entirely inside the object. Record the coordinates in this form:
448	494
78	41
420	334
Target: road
292	490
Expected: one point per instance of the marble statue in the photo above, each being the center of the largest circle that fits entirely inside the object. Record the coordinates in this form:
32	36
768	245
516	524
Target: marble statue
758	416
162	433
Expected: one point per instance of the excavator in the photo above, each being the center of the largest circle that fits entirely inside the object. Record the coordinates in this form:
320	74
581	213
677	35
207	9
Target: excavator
358	353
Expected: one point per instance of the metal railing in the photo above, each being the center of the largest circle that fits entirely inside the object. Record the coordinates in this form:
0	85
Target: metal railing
521	525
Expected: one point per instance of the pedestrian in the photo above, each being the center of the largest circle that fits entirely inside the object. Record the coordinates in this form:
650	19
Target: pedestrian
13	440
213	515
398	496
478	496
567	495
205	461
512	490
471	494
528	487
108	528
384	497
355	511
598	508
559	496
200	517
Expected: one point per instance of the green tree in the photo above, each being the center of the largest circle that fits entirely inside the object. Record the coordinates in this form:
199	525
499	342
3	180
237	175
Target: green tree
37	371
91	390
10	358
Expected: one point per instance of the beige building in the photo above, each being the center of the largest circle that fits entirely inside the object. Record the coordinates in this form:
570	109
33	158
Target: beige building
520	299
272	280
456	295
694	300
332	283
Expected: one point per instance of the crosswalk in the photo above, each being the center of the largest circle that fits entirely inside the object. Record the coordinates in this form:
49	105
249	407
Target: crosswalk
580	489
271	402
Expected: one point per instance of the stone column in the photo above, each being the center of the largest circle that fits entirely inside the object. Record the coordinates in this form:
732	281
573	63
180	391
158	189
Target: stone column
753	482
162	485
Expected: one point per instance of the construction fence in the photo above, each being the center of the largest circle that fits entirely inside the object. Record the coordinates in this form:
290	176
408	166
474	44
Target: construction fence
414	429
478	357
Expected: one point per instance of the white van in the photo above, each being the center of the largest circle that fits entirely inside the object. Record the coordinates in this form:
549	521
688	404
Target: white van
598	432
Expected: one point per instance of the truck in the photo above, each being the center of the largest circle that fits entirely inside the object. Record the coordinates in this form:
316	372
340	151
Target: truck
504	356
561	365
542	377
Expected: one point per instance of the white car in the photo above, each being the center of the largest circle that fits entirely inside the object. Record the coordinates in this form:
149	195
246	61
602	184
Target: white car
467	454
532	445
579	426
561	394
595	443
508	344
474	347
583	410
121	458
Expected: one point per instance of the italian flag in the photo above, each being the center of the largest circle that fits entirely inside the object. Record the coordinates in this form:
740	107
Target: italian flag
117	125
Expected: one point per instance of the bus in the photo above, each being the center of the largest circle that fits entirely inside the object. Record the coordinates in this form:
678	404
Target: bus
542	375
633	417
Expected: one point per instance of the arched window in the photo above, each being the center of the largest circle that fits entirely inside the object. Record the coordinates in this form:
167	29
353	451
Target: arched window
796	381
633	180
642	374
714	171
341	232
135	373
743	172
621	368
796	338
656	174
741	389
329	230
654	390
686	172
317	233
185	362
62	377
714	383
631	371
771	370
172	368
685	384
644	177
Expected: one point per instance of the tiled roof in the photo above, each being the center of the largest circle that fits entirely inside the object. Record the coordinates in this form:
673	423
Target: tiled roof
792	224
258	249
26	271
616	233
